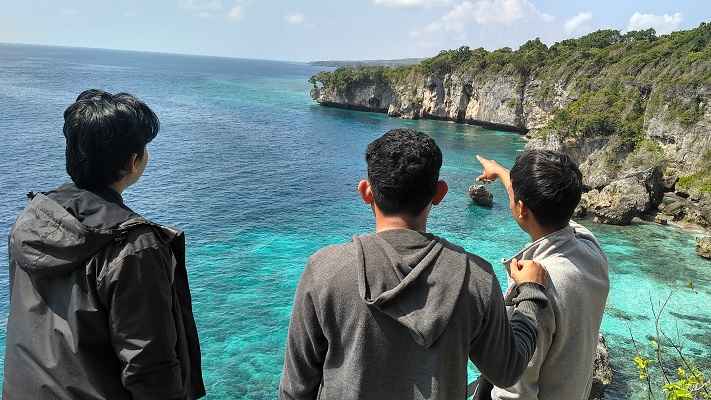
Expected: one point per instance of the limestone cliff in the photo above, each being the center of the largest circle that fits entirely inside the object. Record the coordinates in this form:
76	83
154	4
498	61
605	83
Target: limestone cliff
620	104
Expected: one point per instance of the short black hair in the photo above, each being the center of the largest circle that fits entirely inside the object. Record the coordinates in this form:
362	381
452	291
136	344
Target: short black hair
102	131
403	170
549	184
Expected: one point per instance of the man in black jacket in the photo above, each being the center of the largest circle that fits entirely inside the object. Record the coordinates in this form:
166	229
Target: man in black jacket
100	305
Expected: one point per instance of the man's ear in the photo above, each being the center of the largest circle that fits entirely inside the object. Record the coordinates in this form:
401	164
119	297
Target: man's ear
521	210
134	164
440	192
366	192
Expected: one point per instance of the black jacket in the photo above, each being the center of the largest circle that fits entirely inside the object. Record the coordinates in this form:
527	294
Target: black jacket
100	306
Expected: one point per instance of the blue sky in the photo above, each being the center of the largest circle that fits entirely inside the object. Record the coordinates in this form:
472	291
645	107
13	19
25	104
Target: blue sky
304	30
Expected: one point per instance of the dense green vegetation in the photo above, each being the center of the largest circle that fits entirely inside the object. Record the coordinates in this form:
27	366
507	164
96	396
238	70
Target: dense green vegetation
616	78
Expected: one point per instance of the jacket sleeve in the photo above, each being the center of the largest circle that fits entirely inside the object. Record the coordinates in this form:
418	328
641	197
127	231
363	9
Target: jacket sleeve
139	298
305	349
502	348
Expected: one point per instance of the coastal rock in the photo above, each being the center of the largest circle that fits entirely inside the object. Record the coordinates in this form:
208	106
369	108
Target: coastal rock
618	203
581	211
669	183
481	195
602	372
623	199
703	247
662	219
678	208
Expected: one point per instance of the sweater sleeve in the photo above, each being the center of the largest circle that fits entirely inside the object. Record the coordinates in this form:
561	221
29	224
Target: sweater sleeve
305	348
502	349
527	386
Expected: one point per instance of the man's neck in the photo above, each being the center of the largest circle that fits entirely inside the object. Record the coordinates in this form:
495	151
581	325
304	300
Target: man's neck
119	186
537	232
390	222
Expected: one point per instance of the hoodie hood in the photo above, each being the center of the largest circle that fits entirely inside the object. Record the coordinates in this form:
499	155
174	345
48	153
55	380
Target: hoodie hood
411	277
48	240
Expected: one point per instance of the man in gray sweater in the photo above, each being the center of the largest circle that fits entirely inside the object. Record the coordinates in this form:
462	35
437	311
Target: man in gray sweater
544	188
398	314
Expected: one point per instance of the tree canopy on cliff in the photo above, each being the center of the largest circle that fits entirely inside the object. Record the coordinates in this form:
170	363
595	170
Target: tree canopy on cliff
613	74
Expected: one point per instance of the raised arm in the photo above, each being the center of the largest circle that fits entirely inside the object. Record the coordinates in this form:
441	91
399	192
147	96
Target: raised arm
493	171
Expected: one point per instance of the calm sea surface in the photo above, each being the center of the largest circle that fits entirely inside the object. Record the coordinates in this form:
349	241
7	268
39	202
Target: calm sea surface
260	177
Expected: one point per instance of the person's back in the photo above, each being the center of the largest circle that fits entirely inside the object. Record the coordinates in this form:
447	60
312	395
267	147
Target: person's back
398	314
100	304
563	364
545	187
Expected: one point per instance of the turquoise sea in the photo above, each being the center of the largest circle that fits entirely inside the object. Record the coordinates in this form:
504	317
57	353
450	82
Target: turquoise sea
260	177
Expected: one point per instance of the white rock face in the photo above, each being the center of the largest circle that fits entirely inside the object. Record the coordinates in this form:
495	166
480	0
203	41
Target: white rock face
686	146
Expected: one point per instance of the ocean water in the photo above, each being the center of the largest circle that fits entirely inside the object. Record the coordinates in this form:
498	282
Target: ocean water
260	177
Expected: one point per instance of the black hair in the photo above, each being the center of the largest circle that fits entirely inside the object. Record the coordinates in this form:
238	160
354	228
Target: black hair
403	170
549	184
102	131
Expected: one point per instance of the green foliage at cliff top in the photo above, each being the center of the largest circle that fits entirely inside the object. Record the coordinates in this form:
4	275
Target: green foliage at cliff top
616	78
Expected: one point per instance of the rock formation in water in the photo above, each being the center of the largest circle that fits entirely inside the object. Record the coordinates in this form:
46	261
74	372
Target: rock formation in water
621	104
481	195
602	371
703	247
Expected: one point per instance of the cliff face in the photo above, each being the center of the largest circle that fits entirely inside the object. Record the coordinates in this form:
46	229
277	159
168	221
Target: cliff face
619	104
461	97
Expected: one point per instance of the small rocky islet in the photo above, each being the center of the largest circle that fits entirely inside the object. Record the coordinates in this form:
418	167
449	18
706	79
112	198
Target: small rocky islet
632	109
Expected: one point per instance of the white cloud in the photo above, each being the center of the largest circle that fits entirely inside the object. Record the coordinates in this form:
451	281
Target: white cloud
235	13
295	18
410	3
662	24
577	21
485	12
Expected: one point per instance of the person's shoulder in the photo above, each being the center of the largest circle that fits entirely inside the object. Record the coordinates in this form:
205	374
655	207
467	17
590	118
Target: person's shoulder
585	238
143	243
475	263
333	253
329	260
141	238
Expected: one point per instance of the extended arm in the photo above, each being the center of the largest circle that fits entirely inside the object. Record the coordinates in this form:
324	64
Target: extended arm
492	171
502	348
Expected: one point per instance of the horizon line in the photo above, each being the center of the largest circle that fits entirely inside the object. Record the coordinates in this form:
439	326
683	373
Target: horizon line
169	53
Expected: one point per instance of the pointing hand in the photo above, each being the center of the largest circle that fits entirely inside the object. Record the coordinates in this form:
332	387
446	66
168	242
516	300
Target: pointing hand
491	169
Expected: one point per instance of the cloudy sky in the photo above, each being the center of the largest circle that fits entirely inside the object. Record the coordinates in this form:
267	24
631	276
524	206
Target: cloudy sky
304	30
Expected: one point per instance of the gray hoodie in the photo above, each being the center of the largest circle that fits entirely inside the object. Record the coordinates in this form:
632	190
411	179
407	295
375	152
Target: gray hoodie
397	315
578	284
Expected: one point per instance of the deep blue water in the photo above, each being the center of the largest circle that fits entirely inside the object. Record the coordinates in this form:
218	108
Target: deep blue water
259	177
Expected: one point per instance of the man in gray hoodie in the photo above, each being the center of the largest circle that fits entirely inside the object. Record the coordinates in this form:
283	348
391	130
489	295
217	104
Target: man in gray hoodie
544	188
398	314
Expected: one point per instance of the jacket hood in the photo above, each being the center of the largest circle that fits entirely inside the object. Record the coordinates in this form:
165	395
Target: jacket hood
48	240
411	277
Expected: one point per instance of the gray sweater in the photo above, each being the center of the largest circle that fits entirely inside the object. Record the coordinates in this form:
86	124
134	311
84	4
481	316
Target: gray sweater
561	368
397	315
